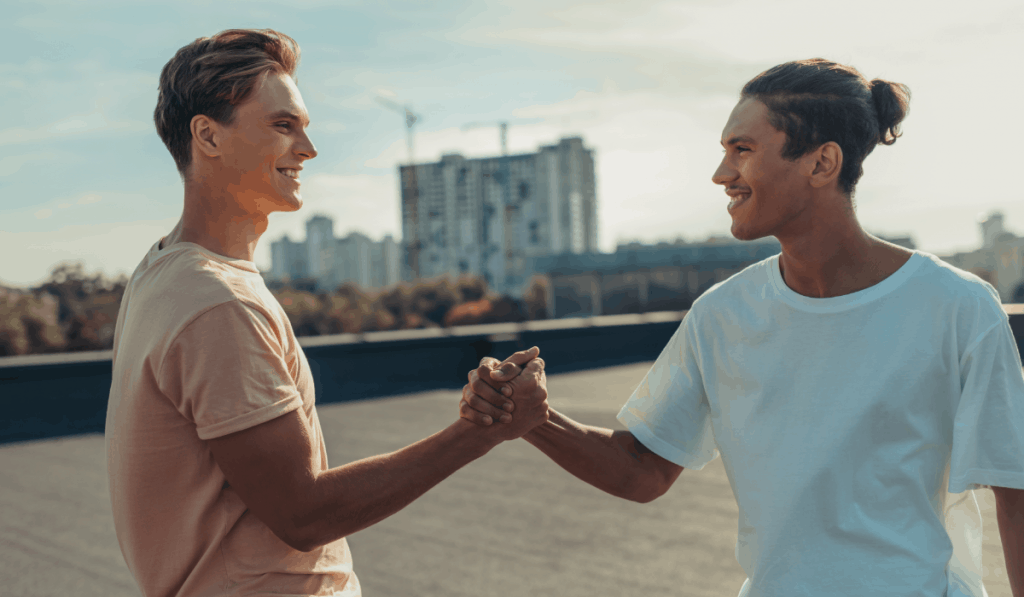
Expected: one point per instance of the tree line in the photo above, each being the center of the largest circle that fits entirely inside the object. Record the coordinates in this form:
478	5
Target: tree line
74	311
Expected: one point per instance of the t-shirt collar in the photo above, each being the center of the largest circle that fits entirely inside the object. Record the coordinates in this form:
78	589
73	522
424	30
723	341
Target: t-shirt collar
836	304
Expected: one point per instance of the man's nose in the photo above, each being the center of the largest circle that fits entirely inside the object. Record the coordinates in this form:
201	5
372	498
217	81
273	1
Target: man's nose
306	148
724	174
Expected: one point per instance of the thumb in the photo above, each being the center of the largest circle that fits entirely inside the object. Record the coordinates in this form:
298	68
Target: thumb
514	364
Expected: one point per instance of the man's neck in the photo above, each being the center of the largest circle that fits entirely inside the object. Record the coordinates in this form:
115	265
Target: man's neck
220	228
839	266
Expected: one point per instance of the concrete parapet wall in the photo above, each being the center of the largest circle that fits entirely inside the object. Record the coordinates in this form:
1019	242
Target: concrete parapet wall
66	394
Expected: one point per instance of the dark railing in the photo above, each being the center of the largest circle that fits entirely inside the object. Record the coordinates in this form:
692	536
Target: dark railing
66	394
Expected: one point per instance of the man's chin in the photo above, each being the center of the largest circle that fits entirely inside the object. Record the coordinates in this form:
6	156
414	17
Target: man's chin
293	204
287	203
740	233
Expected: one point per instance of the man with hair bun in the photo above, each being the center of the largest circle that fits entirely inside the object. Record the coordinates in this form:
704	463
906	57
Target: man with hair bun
857	391
217	466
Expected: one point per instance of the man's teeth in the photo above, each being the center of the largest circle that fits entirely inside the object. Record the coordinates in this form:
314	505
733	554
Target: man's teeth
290	173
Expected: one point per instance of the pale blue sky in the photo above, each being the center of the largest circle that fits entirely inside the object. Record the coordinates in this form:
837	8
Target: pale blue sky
649	85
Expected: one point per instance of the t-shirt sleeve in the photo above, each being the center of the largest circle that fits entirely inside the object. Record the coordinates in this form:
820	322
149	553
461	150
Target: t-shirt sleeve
988	430
669	412
226	371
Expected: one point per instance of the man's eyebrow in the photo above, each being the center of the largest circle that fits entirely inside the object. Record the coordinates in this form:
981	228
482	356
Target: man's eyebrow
739	139
287	115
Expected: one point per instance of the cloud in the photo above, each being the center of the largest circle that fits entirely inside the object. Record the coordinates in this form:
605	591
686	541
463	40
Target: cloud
42	214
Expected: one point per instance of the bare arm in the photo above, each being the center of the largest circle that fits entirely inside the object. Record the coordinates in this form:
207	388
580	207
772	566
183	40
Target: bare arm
350	498
1010	514
270	466
613	461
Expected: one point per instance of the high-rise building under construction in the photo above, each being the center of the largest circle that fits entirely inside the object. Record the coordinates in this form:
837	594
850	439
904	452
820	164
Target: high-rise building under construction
493	216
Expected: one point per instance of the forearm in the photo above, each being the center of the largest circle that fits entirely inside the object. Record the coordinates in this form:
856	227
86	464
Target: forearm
595	455
1010	515
352	497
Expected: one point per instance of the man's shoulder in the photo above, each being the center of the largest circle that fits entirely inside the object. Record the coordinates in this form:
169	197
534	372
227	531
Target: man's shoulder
204	280
971	294
181	287
737	289
958	280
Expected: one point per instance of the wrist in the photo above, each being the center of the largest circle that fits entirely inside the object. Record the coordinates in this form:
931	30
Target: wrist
476	439
534	435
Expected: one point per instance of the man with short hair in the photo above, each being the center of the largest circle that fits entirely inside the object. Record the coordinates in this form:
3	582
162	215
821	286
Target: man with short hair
850	385
217	466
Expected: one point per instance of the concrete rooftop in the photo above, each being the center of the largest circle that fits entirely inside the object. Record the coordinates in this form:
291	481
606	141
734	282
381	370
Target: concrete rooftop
512	523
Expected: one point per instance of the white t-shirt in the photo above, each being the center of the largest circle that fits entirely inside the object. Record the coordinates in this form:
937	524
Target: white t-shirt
844	424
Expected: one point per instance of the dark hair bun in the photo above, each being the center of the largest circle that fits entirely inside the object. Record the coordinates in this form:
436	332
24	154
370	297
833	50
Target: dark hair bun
892	102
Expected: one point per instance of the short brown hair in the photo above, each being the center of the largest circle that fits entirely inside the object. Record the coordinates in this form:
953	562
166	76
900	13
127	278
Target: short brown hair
211	76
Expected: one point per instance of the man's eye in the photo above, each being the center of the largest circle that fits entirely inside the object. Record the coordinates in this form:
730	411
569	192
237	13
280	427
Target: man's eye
284	124
742	148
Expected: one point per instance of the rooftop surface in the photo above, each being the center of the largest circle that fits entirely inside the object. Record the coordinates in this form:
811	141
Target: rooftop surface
512	523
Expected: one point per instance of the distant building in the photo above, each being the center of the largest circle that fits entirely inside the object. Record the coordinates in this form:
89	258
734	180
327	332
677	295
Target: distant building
991	229
288	259
639	278
333	261
385	263
352	260
999	261
320	247
493	216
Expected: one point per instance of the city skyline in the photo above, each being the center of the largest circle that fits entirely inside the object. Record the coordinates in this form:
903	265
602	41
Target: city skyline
648	85
492	216
332	261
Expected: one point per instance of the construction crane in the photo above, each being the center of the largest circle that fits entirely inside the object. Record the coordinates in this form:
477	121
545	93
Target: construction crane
413	243
502	126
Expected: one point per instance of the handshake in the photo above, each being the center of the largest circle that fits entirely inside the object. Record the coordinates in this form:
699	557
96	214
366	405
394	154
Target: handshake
510	396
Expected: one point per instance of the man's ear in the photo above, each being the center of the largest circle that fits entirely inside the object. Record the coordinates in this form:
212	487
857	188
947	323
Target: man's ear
206	135
823	165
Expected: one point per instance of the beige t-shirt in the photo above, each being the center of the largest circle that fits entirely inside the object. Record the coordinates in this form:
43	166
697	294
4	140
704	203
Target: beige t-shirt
203	349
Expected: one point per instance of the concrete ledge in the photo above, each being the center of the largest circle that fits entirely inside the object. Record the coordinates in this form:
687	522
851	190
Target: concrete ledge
64	394
29	360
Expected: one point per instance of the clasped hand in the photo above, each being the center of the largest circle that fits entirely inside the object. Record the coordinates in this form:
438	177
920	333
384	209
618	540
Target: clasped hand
511	395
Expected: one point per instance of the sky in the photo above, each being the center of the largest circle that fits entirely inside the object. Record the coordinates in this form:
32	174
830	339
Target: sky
648	85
